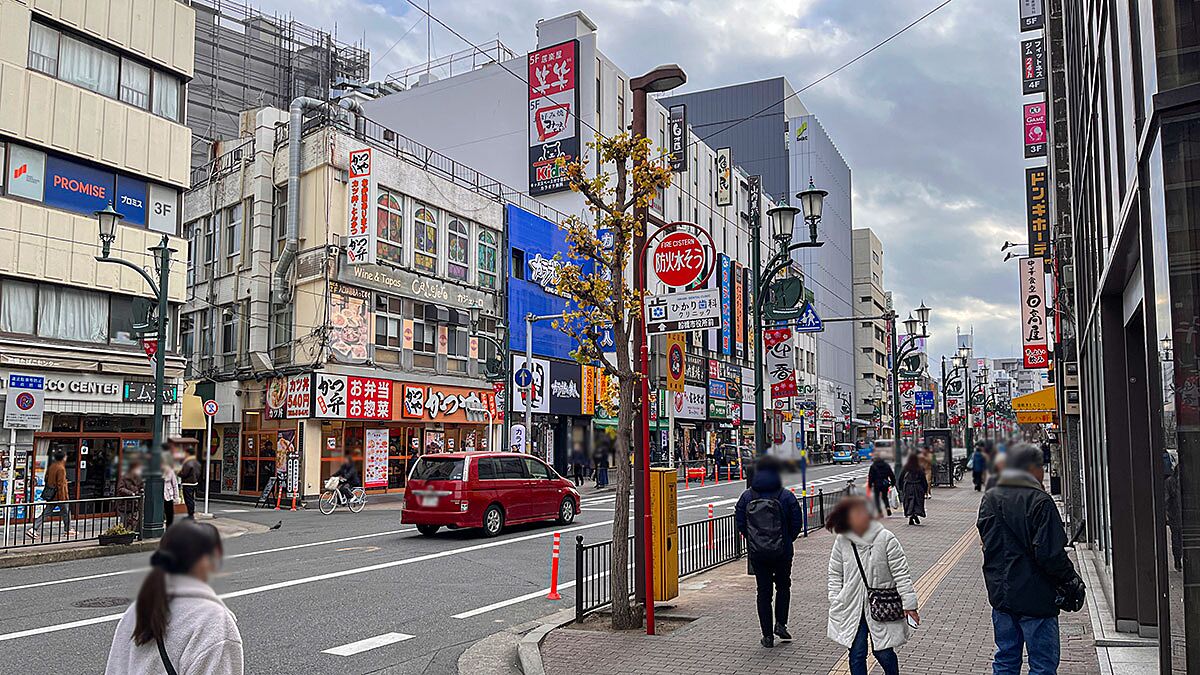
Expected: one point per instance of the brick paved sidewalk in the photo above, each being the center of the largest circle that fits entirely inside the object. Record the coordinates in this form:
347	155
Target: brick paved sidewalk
955	634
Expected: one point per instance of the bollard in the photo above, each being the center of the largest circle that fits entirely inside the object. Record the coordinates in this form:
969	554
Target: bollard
716	474
711	529
703	472
821	499
686	476
554	571
741	471
278	496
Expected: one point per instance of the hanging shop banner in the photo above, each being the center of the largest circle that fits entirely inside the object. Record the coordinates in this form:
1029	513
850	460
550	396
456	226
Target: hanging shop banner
1035	130
360	209
553	116
276	398
751	329
676	362
726	281
1037	211
1033	66
677	137
566	388
691	403
285	444
780	362
724	177
299	396
349	323
368	398
695	370
536	393
739	316
329	396
1035	348
375	458
496	401
1033	14
587	401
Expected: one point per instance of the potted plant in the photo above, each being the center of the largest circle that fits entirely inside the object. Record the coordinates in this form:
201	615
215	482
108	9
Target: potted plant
117	534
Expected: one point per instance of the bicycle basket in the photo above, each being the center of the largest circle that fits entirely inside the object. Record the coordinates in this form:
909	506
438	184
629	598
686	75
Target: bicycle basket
333	483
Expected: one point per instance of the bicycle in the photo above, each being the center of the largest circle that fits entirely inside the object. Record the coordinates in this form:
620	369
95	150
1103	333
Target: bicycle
332	496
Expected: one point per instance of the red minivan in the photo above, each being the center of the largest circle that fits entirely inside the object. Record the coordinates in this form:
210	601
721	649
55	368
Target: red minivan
487	490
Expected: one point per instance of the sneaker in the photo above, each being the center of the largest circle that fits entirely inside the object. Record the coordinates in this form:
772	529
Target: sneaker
781	631
767	641
31	534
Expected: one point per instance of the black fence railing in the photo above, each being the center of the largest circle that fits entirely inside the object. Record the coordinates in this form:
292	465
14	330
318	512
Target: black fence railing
593	563
37	523
708	543
817	507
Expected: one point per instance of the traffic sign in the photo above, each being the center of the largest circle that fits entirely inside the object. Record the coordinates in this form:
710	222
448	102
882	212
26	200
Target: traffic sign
210	408
25	401
523	377
679	259
809	322
923	399
689	311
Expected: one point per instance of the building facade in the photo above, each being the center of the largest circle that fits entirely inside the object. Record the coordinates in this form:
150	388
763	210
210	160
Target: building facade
870	337
1125	124
92	115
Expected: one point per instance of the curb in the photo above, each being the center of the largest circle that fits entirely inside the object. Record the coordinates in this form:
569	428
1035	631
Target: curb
529	649
65	555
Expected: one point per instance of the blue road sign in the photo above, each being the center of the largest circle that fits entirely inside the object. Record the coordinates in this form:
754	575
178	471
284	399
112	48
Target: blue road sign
523	377
923	400
809	322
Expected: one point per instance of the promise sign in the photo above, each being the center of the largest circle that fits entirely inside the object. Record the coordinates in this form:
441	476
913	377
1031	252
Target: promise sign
1037	211
1035	352
553	116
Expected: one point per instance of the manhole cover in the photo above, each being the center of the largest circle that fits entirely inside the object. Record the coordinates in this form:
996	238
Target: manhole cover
103	602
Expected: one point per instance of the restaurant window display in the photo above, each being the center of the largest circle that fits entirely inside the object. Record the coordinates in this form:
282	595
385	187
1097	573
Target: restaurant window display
263	441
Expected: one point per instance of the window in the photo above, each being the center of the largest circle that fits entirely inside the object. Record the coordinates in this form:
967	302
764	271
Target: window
389	227
43	49
18	306
124	315
233	236
206	337
486	258
88	66
388	322
620	104
536	469
72	314
425	239
279	220
458	248
457	349
187	336
166	96
229	330
210	243
135	84
190	232
512	467
424	337
518	264
281	325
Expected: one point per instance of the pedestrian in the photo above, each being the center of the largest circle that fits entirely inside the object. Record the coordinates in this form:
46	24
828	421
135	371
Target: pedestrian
189	480
1175	516
870	588
601	462
997	468
926	459
578	463
170	487
130	485
881	478
978	467
912	487
178	624
1028	574
55	493
770	519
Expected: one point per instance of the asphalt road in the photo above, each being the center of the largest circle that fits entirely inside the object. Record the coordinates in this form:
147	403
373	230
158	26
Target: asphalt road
323	582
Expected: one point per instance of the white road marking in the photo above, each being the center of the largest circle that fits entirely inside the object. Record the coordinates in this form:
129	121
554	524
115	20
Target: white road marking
511	601
235	511
369	644
247	554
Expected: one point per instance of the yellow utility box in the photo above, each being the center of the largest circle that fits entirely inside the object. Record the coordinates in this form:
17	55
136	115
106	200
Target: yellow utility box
664	513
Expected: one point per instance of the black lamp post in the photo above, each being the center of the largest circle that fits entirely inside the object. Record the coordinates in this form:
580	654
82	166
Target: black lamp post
501	369
152	508
900	352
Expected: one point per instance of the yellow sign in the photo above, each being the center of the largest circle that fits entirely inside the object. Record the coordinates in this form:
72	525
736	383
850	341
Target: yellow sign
676	348
588	397
664	532
1036	417
1038	401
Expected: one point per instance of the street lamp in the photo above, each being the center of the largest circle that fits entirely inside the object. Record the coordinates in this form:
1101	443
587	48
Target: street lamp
152	508
500	343
783	223
813	202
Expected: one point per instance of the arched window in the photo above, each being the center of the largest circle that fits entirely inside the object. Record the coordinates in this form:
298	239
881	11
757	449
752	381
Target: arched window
486	258
459	249
390	227
425	239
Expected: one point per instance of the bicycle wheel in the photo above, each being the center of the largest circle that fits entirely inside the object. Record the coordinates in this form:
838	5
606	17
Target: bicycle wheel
328	502
358	500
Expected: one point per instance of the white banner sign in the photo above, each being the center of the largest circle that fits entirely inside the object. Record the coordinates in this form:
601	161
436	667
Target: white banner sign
724	177
329	396
1034	315
361	235
689	311
691	403
375	458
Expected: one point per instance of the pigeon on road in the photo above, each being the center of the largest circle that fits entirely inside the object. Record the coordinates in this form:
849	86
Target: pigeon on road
276	526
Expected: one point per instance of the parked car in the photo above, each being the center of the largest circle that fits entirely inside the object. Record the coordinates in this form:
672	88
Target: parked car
846	452
866	452
488	490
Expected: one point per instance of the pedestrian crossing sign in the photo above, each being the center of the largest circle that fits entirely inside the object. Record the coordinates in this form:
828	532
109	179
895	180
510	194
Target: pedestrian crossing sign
809	322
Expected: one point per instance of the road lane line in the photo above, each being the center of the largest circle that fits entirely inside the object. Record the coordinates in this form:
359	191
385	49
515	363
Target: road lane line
511	601
247	554
368	644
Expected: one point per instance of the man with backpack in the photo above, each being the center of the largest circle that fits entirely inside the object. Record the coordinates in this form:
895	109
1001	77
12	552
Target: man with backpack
770	519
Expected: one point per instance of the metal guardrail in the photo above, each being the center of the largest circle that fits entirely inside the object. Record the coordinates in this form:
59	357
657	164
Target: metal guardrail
592	567
89	518
223	164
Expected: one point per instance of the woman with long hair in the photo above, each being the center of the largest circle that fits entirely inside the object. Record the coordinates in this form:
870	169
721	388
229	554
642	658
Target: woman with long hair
867	560
914	485
178	625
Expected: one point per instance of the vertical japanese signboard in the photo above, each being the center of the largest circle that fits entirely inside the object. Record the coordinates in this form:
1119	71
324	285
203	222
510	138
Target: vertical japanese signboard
1033	14
360	209
724	177
553	116
677	138
1033	66
329	396
676	362
739	316
726	305
1035	351
1035	130
1037	211
780	362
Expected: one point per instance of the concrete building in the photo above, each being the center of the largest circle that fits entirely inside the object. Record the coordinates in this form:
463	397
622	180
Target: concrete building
91	114
1024	380
870	337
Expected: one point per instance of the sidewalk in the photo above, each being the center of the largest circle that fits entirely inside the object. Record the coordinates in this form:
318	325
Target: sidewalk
955	634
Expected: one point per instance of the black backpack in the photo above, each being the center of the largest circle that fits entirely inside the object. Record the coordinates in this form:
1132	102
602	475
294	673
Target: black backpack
766	531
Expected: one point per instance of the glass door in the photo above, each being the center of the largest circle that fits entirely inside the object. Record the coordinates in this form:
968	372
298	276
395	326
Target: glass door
98	461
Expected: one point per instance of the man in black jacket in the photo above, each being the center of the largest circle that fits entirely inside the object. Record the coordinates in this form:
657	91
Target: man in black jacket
770	519
881	478
1025	565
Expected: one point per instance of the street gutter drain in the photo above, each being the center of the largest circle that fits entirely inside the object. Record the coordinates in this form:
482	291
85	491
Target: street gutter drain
103	602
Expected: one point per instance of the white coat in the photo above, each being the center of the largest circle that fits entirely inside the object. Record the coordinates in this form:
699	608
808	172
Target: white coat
202	635
886	567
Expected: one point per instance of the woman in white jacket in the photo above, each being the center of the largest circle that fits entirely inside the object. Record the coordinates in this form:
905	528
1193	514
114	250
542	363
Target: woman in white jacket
178	625
884	566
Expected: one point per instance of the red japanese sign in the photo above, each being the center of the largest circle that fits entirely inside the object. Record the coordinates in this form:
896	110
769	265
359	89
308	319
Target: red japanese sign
368	398
553	120
360	209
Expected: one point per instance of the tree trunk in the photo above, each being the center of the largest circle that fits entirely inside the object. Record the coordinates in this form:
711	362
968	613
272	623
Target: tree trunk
623	615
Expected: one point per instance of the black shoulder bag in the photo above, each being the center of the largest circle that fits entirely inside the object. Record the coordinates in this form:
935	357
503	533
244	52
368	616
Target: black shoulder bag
162	653
885	603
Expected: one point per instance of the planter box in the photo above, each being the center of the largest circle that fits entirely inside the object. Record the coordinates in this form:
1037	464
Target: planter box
117	539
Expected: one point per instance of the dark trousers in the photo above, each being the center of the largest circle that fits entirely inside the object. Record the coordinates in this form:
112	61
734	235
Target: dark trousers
977	476
168	512
1177	544
189	498
858	654
773	574
882	503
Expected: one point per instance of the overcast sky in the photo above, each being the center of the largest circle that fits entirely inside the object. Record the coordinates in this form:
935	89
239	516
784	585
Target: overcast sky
930	123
